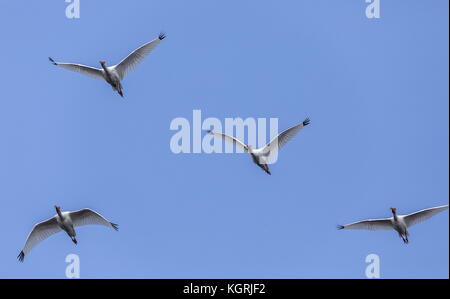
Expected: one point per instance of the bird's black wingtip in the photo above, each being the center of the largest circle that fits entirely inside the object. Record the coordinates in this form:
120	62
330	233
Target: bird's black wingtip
52	61
340	227
115	226
21	256
162	36
306	122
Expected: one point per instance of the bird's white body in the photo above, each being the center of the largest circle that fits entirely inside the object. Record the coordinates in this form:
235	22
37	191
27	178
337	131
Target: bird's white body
65	223
399	223
114	74
111	75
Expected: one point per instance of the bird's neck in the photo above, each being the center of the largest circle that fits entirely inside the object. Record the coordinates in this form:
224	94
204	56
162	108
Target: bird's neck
59	214
105	69
395	216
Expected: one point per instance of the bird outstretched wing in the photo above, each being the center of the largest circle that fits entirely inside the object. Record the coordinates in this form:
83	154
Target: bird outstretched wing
230	139
40	232
271	149
136	57
371	224
79	68
422	215
90	217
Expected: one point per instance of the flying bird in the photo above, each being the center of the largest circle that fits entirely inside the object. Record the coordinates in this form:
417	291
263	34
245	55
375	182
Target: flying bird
266	154
114	74
400	223
63	221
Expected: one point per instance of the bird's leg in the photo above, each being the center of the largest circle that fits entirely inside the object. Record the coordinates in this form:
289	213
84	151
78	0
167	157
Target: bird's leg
266	169
74	240
119	89
405	239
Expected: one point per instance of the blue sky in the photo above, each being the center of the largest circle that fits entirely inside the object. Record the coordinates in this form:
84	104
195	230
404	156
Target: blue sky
376	92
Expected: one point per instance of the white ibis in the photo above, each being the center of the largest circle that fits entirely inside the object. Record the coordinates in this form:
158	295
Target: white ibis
114	74
400	223
265	155
63	221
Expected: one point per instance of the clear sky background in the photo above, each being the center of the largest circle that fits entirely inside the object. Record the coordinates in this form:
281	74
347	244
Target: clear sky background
376	92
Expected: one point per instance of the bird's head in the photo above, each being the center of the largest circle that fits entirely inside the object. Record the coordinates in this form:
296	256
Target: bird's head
394	210
102	63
